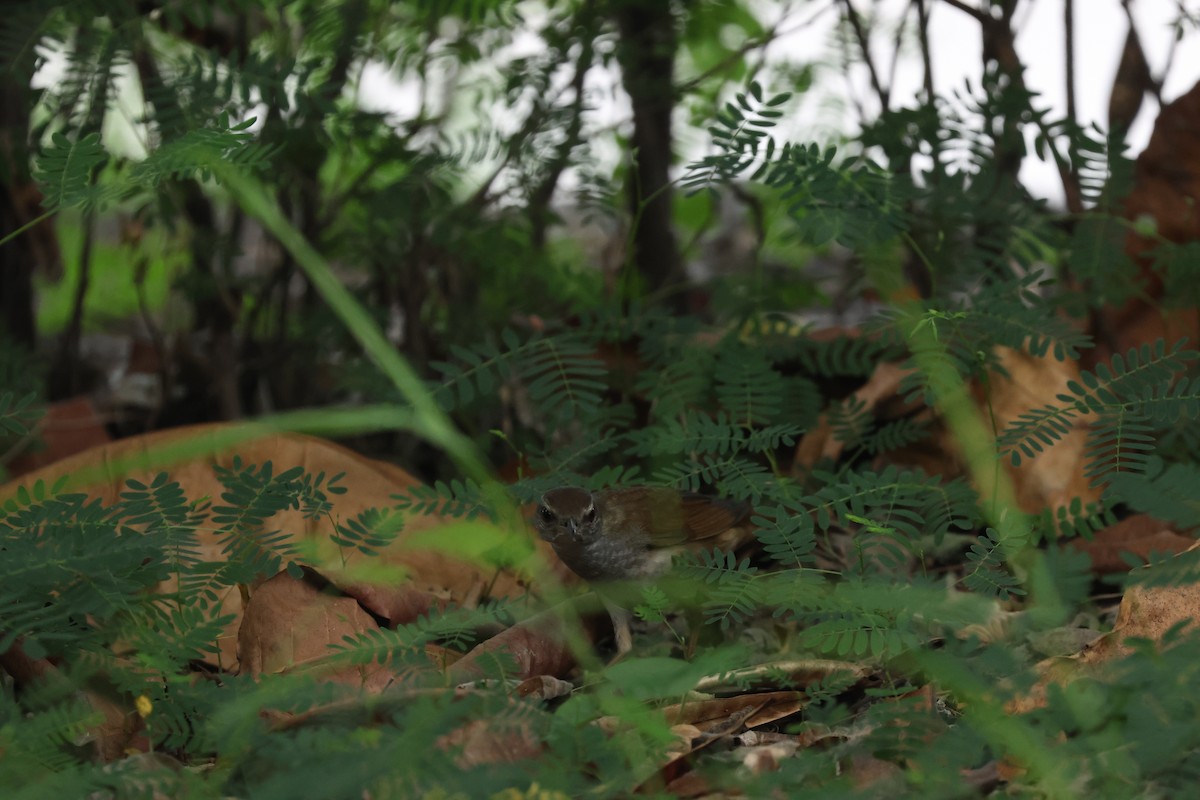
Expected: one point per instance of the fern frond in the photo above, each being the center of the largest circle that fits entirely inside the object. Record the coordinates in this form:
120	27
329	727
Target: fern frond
1117	394
1166	493
696	432
65	170
732	477
369	532
162	507
253	495
193	153
748	387
1120	442
740	134
787	537
561	373
458	498
855	426
854	635
1072	520
18	416
854	203
988	574
905	500
844	355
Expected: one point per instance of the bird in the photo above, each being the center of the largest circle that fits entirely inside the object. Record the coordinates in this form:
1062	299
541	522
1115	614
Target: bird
632	533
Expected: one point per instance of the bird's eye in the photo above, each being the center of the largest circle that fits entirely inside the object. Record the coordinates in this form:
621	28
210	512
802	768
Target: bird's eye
545	514
590	514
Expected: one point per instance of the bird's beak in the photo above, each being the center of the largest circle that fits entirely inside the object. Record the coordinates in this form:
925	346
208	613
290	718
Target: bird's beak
573	524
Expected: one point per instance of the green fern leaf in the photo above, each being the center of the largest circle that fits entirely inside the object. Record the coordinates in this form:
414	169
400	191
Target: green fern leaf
65	171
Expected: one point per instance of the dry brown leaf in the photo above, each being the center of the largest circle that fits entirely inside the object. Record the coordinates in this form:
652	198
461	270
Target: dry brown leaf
1145	613
1051	480
881	388
700	723
499	740
68	427
766	757
543	687
1140	535
369	484
800	672
396	605
289	623
538	646
689	785
1149	612
120	728
709	714
1055	476
868	771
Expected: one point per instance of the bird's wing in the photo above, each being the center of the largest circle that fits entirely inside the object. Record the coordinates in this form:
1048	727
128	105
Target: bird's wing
681	517
705	517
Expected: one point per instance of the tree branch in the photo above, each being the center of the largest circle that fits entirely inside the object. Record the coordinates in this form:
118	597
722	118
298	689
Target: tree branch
864	45
979	15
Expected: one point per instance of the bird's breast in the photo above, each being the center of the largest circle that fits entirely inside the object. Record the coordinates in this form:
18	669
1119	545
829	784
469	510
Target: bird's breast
609	559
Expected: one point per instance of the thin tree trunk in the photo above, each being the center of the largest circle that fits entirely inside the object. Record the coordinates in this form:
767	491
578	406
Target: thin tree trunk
647	56
19	256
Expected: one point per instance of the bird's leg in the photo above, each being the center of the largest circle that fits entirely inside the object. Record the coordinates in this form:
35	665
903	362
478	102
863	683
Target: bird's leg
695	624
622	634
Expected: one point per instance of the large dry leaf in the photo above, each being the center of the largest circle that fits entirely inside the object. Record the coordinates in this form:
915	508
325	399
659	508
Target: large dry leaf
1050	480
1054	477
501	740
102	472
1146	612
290	624
1139	535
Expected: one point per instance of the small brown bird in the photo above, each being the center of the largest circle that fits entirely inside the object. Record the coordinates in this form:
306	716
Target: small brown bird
632	533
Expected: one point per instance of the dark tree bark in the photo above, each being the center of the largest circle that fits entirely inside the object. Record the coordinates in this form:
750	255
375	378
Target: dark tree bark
18	206
647	56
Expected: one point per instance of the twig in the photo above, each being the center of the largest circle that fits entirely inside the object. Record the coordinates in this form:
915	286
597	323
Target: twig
747	47
540	197
923	38
1069	172
979	15
865	46
927	64
1166	70
897	43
